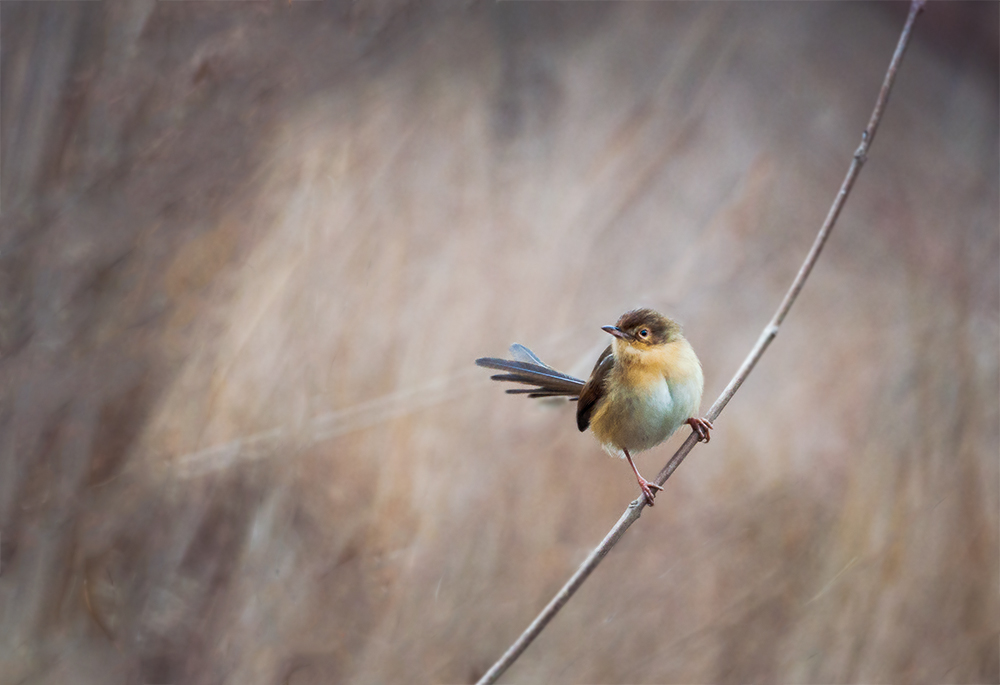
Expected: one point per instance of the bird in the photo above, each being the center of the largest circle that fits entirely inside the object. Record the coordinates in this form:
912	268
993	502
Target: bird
644	386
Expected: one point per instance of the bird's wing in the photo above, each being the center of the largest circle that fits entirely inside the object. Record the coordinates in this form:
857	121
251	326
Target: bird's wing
527	368
593	391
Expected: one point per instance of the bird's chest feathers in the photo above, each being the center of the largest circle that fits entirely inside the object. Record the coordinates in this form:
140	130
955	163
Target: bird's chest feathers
645	405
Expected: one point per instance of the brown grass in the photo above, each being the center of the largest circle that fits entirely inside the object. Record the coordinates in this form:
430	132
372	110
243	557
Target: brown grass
250	251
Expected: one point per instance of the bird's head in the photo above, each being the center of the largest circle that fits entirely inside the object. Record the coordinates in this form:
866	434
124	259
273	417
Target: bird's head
642	330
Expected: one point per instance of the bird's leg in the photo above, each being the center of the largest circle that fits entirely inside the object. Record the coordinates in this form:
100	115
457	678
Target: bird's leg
701	427
645	485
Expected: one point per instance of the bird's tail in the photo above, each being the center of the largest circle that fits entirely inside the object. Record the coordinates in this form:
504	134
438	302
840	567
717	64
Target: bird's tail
527	368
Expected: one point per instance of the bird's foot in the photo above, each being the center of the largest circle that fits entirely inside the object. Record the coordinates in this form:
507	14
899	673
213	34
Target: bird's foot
647	489
702	428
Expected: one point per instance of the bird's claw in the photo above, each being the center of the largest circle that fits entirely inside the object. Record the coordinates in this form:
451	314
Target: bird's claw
647	490
702	428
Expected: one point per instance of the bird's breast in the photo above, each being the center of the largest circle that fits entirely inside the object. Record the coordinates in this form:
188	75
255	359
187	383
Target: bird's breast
643	407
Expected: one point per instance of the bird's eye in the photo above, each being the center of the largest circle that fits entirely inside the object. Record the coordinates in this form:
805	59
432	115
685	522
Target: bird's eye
644	333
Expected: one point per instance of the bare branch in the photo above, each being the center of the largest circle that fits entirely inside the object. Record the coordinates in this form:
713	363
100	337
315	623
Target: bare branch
634	509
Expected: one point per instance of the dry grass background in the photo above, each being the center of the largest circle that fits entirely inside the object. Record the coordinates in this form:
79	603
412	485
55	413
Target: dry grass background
249	252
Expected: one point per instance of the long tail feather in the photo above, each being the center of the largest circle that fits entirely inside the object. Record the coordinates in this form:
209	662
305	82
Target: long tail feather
520	353
528	369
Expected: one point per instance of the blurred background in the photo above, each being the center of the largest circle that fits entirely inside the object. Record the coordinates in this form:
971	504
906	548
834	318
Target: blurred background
250	251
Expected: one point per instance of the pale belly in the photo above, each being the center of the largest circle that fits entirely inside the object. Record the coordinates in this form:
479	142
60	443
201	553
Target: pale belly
639	421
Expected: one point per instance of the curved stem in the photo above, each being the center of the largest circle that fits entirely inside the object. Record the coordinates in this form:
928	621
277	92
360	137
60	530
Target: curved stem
634	510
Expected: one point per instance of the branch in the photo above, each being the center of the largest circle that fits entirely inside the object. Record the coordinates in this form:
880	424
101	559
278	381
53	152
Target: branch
634	509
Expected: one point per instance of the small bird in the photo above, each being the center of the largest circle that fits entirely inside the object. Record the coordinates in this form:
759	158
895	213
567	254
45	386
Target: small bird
644	386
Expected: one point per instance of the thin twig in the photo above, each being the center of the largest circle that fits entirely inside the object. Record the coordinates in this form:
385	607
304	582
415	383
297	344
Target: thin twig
634	509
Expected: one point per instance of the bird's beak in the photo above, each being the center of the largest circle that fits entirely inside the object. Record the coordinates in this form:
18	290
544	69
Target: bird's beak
617	332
